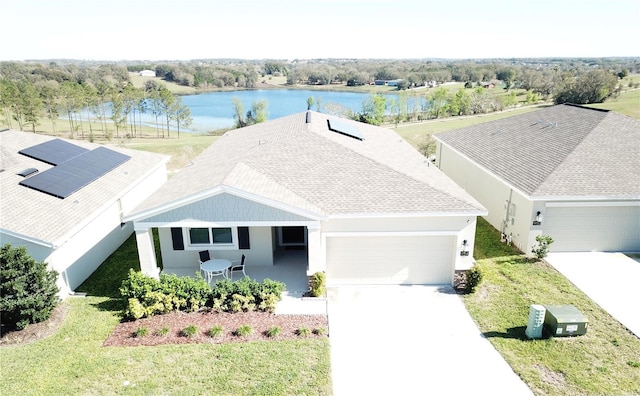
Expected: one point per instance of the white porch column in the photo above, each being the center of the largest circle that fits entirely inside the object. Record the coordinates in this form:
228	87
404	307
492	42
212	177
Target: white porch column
147	252
317	262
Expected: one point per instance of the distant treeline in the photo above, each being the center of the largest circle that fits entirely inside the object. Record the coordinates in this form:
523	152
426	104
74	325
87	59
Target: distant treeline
86	95
517	73
32	90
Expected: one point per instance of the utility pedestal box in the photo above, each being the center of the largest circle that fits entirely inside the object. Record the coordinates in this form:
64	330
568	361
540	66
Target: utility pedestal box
565	320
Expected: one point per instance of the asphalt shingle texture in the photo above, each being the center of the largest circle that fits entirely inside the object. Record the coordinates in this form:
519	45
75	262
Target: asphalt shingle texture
559	151
305	165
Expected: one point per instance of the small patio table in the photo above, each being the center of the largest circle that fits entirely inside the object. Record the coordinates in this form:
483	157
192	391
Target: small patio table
215	267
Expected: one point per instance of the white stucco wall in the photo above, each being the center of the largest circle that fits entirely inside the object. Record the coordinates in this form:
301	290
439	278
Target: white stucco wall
259	254
83	251
506	206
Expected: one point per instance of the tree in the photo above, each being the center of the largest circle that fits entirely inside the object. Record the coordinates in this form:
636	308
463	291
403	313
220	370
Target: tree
309	102
182	116
257	114
8	95
507	76
238	112
460	104
26	109
49	96
373	110
592	87
439	103
28	291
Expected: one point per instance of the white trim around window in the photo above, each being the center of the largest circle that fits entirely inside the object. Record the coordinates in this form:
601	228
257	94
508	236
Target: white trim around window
208	240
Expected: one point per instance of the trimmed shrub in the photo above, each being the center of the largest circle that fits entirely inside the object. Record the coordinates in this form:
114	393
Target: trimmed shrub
273	331
303	332
246	295
28	290
147	296
243	331
141	332
163	331
318	284
215	331
319	331
541	249
189	331
473	278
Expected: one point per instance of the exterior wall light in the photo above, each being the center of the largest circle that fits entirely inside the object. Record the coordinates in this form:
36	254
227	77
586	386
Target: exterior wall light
464	250
538	219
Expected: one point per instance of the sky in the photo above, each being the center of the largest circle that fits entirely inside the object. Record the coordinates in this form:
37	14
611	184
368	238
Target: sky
114	30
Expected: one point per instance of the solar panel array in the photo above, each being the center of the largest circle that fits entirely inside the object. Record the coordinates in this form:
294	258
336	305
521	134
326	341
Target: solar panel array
345	128
71	175
53	152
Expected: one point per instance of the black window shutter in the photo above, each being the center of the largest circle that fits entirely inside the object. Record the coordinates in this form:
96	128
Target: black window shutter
243	238
176	237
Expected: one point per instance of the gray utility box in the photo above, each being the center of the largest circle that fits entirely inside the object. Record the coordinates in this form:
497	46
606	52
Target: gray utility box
564	320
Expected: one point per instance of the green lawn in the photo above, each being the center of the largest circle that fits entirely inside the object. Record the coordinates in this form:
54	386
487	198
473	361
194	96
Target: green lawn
416	132
604	361
73	360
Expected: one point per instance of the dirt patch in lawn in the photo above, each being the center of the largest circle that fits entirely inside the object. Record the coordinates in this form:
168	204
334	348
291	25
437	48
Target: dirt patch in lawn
166	329
36	331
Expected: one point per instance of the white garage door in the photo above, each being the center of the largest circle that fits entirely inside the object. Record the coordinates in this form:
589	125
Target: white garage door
389	260
594	228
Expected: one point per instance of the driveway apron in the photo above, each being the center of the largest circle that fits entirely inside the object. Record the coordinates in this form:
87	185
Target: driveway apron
411	340
609	279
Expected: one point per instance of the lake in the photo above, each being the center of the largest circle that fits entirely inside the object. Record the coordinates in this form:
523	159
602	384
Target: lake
214	110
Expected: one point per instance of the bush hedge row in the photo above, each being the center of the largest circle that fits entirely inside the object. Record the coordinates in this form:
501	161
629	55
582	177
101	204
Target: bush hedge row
147	296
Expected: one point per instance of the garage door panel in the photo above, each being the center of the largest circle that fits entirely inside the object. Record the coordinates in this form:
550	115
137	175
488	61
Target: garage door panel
389	260
595	228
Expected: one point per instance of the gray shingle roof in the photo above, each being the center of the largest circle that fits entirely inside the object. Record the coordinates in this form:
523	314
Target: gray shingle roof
558	152
49	219
309	167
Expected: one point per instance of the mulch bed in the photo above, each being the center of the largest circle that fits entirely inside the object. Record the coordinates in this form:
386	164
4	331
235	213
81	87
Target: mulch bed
123	334
260	322
34	332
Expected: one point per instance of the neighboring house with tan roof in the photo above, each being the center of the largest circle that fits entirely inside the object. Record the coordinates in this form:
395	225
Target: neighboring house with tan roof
64	200
363	204
566	171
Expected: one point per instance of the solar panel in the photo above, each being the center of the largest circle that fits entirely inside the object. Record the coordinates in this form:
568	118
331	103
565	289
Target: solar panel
53	152
344	128
70	176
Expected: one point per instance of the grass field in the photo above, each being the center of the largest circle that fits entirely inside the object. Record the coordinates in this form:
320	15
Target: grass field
605	361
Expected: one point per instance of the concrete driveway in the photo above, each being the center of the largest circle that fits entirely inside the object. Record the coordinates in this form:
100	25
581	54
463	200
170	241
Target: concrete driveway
411	340
609	279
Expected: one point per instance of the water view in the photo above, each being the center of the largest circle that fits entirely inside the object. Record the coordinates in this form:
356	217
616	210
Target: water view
215	110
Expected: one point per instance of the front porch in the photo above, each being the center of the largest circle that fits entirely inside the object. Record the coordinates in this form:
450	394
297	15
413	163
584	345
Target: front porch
289	267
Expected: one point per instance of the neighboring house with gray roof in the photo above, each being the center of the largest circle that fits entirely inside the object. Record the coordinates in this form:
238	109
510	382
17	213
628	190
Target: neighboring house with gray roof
566	171
362	203
68	208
